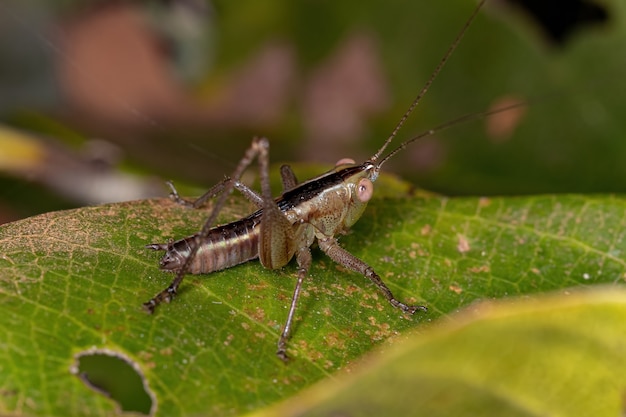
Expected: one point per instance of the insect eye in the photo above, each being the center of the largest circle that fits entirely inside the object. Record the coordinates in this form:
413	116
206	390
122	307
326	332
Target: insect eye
364	190
345	161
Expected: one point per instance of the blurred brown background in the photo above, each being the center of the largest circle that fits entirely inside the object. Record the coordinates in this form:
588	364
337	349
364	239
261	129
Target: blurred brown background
101	101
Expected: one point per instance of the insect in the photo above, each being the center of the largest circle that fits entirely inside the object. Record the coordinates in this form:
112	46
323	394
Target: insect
285	227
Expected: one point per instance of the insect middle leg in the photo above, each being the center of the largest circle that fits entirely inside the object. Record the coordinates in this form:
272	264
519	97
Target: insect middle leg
304	260
288	177
280	240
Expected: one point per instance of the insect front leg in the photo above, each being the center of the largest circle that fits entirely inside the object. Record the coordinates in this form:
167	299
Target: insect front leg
259	145
331	247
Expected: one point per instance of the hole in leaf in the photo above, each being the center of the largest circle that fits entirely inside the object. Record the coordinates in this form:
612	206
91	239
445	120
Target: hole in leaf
117	377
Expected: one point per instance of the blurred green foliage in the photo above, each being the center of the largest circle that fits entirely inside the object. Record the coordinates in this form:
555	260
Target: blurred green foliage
569	140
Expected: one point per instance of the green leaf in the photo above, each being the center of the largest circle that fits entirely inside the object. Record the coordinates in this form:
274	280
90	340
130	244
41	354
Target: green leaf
72	283
559	355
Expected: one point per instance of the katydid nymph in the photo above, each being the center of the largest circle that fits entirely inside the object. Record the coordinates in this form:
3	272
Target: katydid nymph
285	227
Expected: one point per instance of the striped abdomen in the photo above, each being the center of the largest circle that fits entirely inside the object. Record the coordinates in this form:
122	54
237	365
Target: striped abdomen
225	246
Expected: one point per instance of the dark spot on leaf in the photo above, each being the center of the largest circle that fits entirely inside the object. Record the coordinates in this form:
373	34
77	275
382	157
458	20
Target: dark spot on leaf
117	377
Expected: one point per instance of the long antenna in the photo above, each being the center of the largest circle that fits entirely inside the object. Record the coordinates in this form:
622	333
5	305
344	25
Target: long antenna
424	89
462	119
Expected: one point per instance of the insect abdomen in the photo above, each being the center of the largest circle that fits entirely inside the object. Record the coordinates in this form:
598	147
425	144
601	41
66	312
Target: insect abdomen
225	246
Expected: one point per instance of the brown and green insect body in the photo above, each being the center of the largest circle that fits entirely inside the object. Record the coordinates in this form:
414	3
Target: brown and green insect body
285	227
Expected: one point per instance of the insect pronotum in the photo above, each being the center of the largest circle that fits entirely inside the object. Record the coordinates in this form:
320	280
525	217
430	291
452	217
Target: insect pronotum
315	210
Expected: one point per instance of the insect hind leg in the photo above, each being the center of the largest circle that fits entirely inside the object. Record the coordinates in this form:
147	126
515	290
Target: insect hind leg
199	202
222	190
214	191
